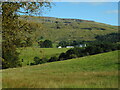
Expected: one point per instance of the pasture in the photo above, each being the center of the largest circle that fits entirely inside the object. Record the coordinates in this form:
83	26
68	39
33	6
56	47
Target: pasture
95	71
28	53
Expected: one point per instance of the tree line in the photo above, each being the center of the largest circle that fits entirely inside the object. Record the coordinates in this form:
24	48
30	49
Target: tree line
76	52
74	43
112	37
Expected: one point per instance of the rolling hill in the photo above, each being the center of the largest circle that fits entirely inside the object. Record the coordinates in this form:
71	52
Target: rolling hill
96	71
58	29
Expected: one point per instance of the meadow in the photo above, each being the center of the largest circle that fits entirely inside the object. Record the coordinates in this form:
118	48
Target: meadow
95	71
92	71
28	53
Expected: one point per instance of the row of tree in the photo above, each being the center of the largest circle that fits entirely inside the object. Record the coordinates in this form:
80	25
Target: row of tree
89	50
103	43
112	37
80	52
71	43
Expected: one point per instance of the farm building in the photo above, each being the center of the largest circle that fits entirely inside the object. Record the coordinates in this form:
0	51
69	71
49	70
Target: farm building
59	47
81	45
69	46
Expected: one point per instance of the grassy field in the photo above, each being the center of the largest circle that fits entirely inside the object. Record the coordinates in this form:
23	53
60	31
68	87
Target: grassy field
28	53
96	71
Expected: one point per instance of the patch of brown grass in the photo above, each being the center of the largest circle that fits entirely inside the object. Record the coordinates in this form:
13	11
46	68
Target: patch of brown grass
62	80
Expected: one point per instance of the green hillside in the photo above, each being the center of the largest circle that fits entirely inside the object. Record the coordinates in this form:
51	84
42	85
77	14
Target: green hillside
58	29
96	71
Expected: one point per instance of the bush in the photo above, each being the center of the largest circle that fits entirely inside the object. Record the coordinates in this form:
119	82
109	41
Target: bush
69	53
43	60
72	56
52	59
32	64
89	50
37	60
62	57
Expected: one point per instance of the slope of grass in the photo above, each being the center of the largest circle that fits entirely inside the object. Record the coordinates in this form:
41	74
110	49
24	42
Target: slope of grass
28	53
96	71
68	31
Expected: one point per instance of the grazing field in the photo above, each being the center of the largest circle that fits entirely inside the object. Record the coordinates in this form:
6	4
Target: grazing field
96	71
28	53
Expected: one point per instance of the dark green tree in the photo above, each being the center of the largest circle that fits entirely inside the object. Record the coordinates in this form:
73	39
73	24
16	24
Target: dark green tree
47	44
36	60
40	43
63	43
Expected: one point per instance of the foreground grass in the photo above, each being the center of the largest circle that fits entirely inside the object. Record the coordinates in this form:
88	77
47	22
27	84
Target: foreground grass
28	53
96	71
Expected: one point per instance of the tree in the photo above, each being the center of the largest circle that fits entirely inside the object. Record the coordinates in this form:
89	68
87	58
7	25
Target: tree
13	28
63	43
47	44
41	44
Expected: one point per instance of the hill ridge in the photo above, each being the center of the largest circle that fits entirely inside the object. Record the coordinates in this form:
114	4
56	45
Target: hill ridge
56	29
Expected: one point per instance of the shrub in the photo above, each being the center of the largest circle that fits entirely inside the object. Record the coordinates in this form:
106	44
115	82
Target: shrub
22	60
62	57
52	59
32	64
37	60
72	56
89	50
43	60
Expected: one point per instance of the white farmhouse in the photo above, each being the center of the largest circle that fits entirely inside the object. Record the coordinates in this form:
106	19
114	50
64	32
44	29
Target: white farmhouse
59	47
69	46
85	45
82	45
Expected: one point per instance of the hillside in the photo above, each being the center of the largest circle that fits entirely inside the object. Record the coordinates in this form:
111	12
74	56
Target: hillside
58	29
96	71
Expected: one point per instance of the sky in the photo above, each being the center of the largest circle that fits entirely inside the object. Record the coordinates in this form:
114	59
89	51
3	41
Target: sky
103	12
